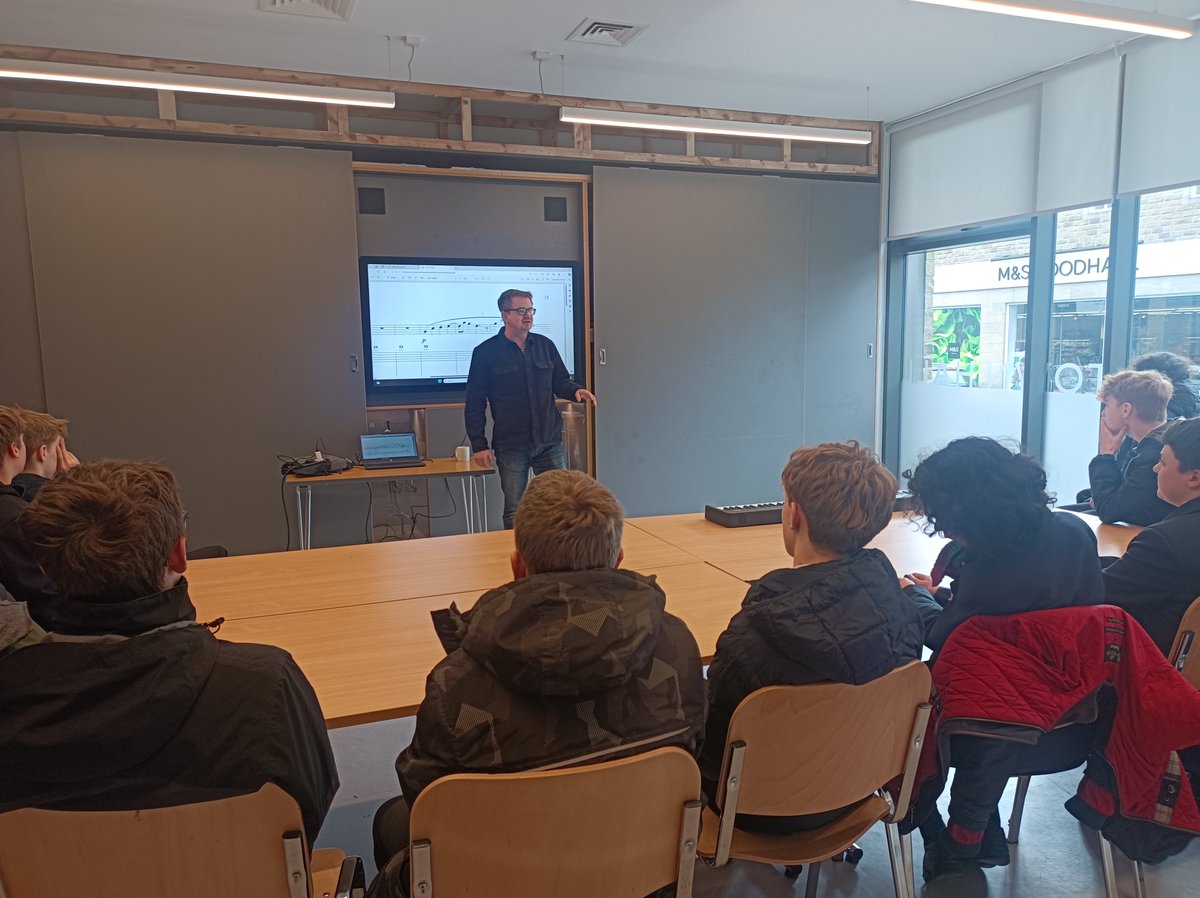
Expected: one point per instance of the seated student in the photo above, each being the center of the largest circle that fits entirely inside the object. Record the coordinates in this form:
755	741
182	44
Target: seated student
1184	402
46	452
19	572
12	461
1158	577
574	659
1125	489
837	615
1008	554
133	704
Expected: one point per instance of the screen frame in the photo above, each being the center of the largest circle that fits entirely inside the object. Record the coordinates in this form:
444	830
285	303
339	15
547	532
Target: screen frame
455	394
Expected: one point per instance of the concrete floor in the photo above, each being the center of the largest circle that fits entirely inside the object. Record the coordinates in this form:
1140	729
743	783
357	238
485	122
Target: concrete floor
1057	857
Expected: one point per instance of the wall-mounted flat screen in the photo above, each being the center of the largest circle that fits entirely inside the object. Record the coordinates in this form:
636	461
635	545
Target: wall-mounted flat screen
422	318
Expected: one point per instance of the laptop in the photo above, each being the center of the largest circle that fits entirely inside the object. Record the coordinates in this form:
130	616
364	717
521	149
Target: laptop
390	450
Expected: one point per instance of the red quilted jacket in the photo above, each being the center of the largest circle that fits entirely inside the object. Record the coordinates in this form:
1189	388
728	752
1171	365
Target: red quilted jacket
1020	675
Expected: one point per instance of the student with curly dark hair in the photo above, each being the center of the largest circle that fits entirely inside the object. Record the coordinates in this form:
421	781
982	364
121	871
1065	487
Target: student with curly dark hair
1184	402
1008	554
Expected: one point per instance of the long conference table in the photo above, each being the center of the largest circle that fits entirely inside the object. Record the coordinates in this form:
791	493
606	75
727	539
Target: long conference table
356	618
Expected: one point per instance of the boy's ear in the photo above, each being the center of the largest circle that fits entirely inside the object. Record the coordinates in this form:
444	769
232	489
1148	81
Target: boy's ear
519	568
177	560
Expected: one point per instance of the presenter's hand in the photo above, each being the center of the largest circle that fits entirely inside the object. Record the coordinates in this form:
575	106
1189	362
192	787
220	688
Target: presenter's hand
585	396
485	459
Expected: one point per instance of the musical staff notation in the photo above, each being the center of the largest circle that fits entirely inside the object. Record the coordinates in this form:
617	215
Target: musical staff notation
444	327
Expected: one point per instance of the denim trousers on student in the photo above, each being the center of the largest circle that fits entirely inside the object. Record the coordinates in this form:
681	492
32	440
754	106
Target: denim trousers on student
514	465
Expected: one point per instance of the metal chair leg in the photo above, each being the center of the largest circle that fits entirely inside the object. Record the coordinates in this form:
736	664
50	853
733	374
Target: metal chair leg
1139	880
1018	808
910	882
1110	874
893	844
810	884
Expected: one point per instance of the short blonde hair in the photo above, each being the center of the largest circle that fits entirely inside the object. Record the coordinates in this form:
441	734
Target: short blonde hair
12	427
42	429
567	521
1147	391
845	493
104	530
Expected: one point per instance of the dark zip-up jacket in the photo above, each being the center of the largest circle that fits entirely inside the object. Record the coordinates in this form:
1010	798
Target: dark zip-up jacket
1055	566
1158	577
521	387
843	621
146	708
19	573
1127	489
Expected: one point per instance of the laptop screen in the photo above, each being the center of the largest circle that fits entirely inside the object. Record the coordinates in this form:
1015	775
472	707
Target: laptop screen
389	445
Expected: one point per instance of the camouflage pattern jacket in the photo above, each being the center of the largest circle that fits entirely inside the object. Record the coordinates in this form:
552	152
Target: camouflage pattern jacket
558	669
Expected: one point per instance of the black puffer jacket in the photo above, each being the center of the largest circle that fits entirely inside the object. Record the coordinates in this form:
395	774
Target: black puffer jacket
843	621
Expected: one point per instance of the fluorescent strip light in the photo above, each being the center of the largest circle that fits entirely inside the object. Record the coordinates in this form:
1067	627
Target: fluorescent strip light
1076	13
583	115
38	70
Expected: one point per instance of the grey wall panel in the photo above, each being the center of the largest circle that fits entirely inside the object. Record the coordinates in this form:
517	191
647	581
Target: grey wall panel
700	295
842	308
21	361
734	314
468	218
198	305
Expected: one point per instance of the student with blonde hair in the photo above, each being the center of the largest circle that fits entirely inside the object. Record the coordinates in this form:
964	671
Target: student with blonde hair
575	659
46	452
1123	483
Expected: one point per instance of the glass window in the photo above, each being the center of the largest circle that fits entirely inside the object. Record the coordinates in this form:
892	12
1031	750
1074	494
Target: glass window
1076	348
1166	299
961	368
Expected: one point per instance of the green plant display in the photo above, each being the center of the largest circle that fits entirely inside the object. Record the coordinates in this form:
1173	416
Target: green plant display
956	341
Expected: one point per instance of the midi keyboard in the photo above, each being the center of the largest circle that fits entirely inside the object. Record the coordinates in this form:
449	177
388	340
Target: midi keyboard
759	513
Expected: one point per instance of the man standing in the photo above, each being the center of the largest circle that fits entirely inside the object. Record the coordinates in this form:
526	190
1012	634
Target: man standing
519	373
1159	575
1135	405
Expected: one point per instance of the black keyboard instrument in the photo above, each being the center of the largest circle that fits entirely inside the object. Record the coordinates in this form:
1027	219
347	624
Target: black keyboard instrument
745	515
772	512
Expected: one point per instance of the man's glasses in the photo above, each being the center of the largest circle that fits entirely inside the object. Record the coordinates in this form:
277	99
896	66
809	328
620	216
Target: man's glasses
523	312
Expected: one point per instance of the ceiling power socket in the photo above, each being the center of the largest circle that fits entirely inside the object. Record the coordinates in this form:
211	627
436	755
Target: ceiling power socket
541	55
412	40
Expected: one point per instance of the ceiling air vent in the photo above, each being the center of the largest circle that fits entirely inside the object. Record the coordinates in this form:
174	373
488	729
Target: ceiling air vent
321	9
607	34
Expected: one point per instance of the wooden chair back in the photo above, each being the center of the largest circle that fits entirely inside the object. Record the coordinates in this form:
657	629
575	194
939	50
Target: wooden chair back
821	747
1185	650
230	847
620	829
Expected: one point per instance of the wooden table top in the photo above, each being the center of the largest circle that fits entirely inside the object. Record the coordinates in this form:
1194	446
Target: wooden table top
288	582
356	618
750	552
433	467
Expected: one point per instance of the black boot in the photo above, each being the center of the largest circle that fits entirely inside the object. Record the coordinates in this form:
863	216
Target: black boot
993	850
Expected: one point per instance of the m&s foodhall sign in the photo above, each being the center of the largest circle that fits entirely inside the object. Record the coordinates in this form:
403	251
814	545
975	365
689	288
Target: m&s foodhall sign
1154	260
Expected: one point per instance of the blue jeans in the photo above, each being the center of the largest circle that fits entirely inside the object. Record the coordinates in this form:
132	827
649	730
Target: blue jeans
513	466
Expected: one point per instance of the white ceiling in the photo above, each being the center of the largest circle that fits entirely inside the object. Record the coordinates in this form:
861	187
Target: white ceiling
878	59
